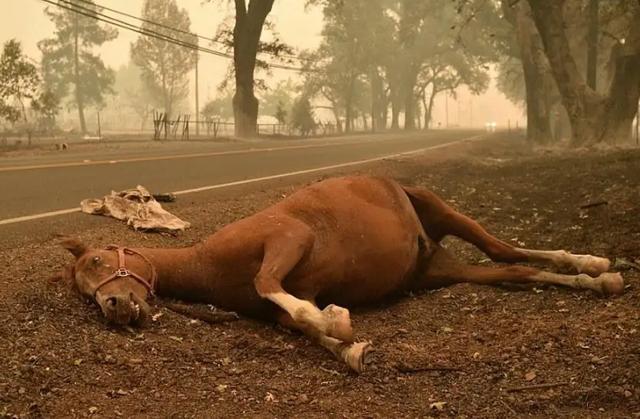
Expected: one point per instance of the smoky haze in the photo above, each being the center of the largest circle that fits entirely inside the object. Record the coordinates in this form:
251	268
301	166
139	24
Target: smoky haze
297	26
407	207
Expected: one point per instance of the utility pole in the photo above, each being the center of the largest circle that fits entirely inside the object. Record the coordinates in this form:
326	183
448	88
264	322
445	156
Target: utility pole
459	102
99	127
197	100
373	103
446	109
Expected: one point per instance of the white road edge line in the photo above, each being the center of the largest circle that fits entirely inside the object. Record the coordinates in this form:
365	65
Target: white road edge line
259	179
36	216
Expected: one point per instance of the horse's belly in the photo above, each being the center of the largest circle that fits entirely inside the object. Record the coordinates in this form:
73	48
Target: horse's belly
359	288
358	277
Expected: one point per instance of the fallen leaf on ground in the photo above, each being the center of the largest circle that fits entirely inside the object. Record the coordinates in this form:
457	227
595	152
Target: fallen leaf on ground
437	405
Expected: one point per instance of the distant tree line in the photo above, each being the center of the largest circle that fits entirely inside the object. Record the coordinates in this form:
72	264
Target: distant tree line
72	74
574	65
23	94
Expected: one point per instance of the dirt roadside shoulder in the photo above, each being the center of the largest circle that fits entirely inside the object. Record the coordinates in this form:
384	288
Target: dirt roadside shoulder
60	359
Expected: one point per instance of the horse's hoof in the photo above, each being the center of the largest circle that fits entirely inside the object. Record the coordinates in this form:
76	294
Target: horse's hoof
593	265
612	283
338	323
355	355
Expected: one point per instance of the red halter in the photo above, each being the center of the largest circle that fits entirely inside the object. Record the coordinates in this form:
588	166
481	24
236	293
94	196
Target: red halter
123	272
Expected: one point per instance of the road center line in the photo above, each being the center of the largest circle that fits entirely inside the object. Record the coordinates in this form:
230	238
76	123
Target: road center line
259	179
177	156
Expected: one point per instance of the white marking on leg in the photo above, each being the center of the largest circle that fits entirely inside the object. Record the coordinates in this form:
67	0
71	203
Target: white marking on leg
606	283
333	321
301	311
353	354
592	265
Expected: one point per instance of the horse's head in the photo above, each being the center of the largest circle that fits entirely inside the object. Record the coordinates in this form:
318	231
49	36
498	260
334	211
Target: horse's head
118	279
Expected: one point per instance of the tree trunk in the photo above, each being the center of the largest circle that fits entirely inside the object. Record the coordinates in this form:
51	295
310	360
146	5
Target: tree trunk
365	126
538	113
25	119
167	106
429	111
384	114
374	103
536	72
76	77
396	105
592	44
336	115
621	105
339	129
594	117
378	121
410	101
409	111
246	37
348	125
395	115
348	119
426	108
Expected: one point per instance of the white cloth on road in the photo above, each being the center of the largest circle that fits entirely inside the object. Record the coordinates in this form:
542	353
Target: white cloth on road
137	207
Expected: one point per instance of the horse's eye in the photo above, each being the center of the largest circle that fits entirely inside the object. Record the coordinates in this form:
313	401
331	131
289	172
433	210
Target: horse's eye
96	259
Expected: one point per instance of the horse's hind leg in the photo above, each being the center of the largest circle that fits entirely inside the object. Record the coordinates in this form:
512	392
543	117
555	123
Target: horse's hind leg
439	220
443	269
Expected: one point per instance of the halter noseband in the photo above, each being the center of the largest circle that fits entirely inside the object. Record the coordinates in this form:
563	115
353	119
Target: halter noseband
123	272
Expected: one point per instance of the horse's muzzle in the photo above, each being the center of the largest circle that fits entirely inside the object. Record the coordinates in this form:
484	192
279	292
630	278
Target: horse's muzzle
124	309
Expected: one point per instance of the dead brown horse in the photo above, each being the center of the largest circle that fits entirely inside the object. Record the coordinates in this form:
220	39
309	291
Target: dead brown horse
334	244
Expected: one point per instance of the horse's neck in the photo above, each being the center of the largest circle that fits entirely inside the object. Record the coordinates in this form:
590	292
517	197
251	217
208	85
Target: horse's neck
182	273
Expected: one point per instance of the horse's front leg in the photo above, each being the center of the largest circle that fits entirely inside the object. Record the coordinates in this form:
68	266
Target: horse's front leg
353	354
283	250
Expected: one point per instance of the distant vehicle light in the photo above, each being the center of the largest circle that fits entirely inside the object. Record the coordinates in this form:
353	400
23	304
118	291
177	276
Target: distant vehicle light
490	126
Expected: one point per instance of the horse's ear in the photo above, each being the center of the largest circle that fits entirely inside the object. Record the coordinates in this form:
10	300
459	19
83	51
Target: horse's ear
73	245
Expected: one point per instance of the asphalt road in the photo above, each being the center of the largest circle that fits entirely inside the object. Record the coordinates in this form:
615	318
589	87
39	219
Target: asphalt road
49	182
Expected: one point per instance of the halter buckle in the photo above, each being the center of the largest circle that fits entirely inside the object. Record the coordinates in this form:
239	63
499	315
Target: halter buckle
122	272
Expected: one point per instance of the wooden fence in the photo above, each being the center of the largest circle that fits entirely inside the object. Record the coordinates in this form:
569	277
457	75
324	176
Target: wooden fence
185	128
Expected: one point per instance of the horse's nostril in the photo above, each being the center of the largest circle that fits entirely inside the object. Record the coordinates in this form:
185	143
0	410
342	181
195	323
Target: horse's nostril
112	301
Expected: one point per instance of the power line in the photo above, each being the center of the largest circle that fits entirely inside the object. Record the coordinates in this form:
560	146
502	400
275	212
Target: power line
161	25
125	25
147	32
